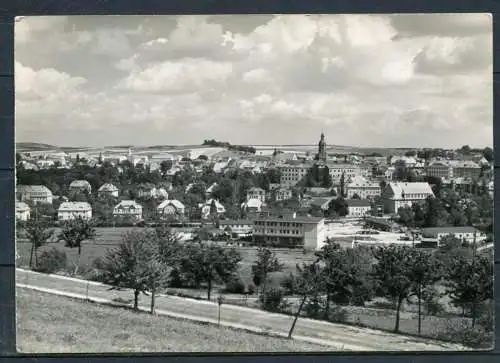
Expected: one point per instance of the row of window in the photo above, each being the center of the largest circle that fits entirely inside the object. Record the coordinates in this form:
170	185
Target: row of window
276	224
281	231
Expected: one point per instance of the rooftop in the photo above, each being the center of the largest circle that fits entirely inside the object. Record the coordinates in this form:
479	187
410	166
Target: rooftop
357	203
74	206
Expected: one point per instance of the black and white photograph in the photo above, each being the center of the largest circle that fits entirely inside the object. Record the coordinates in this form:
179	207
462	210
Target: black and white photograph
254	183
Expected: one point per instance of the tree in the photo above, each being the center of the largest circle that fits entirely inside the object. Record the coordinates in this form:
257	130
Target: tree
392	275
135	265
74	232
209	263
488	154
435	215
424	273
406	216
165	165
267	262
470	283
38	234
307	282
342	185
356	196
326	180
338	206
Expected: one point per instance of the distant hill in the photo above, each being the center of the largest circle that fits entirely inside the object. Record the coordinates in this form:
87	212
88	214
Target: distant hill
34	146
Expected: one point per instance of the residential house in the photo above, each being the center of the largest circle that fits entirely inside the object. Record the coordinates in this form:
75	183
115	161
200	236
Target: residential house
256	193
80	186
389	173
358	207
252	205
206	208
34	193
171	207
22	211
108	190
72	210
289	231
150	191
466	234
128	209
282	194
322	203
400	194
238	228
363	188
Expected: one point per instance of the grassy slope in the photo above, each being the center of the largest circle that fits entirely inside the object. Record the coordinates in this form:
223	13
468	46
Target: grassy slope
84	327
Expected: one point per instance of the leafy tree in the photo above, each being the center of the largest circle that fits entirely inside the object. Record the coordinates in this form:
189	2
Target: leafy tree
38	234
425	272
356	196
488	154
307	282
342	185
392	275
435	215
338	207
470	283
209	263
166	165
74	232
267	262
135	264
406	216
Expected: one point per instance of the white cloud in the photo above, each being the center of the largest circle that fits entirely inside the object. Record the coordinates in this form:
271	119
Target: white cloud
364	79
177	76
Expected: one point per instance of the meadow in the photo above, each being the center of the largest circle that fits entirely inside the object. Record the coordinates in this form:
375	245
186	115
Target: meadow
68	329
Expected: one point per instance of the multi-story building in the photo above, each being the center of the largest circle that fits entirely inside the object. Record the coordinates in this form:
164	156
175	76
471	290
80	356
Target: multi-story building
439	169
400	195
289	231
72	210
465	169
349	171
128	209
358	208
282	194
239	228
170	207
256	193
290	175
80	186
22	211
252	205
34	193
108	190
363	188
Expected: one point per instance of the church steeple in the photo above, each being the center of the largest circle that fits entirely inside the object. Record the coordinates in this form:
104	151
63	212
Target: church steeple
322	148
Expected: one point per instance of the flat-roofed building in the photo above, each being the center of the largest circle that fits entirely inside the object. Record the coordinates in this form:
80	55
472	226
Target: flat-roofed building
465	234
363	188
358	208
238	227
289	231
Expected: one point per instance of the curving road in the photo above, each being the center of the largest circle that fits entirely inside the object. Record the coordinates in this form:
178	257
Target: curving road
342	337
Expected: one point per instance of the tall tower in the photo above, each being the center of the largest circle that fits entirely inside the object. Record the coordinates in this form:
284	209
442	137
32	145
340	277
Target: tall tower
322	149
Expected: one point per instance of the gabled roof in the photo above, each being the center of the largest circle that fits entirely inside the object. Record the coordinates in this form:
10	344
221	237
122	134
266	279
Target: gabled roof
174	202
79	184
128	204
21	206
108	187
410	188
33	189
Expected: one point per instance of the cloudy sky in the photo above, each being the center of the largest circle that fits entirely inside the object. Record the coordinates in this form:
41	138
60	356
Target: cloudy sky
366	80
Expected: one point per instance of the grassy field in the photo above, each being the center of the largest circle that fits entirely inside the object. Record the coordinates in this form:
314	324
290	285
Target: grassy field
43	329
110	237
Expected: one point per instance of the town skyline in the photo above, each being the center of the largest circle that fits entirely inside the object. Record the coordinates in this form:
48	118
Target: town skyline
388	81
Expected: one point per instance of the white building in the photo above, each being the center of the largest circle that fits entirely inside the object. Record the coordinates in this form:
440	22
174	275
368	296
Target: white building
282	194
72	210
358	208
22	211
128	208
399	195
108	189
240	228
252	205
362	187
171	207
205	208
256	193
292	231
462	233
34	193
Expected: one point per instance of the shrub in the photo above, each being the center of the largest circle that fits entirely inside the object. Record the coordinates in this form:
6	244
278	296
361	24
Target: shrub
463	333
315	307
52	261
251	289
176	280
235	286
272	299
338	314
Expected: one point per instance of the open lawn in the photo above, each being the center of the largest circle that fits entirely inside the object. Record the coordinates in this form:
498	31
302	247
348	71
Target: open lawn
80	327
